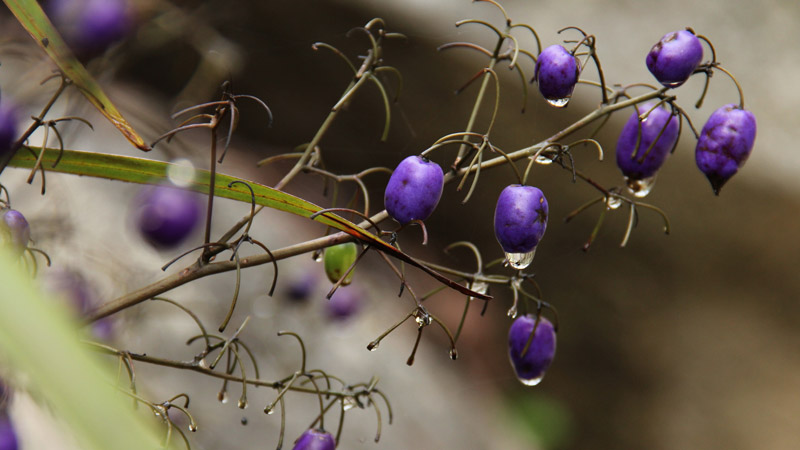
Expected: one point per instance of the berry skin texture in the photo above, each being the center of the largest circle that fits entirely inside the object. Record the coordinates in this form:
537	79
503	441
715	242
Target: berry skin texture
8	128
675	57
725	143
414	189
312	439
14	230
167	215
639	163
557	72
531	366
339	258
520	218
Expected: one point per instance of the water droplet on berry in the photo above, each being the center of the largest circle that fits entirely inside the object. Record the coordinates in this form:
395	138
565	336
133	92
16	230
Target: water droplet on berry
558	102
530	381
520	260
640	188
223	397
242	403
613	202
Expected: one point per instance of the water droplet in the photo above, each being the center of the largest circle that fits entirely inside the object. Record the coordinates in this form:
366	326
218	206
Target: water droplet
531	381
480	287
613	202
222	397
543	159
181	172
244	420
317	256
520	260
192	427
203	363
269	409
242	404
372	346
453	354
640	188
558	102
348	403
512	312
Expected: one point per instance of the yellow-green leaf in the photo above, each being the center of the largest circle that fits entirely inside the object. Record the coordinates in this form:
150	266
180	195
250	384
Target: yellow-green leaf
35	21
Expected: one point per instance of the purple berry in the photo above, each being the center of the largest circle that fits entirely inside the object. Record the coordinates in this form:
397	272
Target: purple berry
557	72
167	215
656	135
14	230
520	220
8	436
414	189
72	287
675	57
301	287
312	439
725	143
91	26
344	303
8	127
531	366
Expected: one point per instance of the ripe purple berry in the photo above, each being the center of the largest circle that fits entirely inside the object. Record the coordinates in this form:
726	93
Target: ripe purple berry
312	439
344	303
531	364
91	26
8	436
8	127
675	57
167	215
520	220
725	143
414	189
557	72
657	136
14	230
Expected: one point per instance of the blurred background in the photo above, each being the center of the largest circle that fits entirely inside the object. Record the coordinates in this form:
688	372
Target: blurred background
682	341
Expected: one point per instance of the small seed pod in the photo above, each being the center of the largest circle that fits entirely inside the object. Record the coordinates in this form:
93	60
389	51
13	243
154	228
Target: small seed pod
520	220
8	127
656	135
725	143
14	230
167	215
414	189
344	304
675	57
312	439
530	364
557	71
337	259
